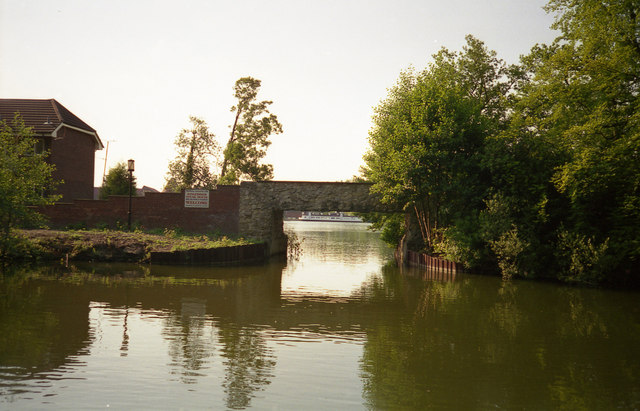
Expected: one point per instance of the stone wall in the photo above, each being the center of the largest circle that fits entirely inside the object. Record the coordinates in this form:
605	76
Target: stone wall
262	204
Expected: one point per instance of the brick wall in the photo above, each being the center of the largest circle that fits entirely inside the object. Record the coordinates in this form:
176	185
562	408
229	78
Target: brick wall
73	154
154	210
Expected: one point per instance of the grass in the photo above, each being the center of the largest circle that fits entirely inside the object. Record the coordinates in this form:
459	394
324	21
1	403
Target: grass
113	244
173	239
182	241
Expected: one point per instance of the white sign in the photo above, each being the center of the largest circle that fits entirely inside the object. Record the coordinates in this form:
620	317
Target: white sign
196	198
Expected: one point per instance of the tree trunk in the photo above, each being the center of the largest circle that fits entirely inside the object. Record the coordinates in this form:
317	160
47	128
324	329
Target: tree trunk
188	173
225	160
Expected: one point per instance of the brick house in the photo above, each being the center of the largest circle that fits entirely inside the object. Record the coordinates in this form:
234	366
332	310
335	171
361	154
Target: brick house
72	143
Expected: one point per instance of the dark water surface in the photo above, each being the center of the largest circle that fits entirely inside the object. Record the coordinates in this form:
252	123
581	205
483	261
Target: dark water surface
338	329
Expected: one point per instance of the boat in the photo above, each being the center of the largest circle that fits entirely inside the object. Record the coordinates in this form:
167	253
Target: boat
330	217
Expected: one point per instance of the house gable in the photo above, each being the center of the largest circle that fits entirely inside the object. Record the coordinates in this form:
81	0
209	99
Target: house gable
46	117
71	142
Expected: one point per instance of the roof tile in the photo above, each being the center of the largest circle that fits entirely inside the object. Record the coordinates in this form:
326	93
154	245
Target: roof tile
43	115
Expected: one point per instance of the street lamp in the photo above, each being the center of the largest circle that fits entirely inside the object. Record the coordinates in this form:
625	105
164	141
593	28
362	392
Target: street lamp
130	167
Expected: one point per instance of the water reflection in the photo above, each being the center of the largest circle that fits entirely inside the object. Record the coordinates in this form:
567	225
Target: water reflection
50	319
482	343
336	258
39	335
192	339
316	334
249	364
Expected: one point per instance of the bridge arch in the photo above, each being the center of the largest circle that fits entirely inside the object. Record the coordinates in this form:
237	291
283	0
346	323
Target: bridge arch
262	204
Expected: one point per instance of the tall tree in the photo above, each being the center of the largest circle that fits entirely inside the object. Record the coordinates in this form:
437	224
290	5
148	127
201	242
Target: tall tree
116	182
197	157
583	98
533	168
428	136
249	139
25	181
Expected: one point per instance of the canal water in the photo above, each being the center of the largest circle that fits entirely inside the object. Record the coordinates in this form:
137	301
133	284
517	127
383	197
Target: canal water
340	328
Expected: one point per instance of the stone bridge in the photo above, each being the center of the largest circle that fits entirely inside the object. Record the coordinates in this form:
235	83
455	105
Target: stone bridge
253	209
262	205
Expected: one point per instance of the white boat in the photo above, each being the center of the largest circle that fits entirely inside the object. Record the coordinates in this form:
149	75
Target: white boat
333	217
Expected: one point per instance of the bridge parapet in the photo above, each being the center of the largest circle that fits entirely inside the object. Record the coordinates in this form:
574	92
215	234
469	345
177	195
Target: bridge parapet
262	204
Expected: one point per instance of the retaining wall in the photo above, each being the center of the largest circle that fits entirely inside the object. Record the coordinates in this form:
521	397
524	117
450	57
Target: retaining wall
432	263
214	256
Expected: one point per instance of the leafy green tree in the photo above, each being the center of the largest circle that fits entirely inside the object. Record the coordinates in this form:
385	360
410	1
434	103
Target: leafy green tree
194	165
249	139
531	169
600	52
25	181
428	136
579	106
522	209
116	182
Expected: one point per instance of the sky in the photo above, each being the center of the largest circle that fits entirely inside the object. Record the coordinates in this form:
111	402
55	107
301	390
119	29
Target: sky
135	70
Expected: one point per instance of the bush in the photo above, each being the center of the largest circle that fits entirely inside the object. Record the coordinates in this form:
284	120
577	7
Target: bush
582	260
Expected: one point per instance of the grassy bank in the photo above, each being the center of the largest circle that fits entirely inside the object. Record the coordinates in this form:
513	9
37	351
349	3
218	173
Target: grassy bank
111	245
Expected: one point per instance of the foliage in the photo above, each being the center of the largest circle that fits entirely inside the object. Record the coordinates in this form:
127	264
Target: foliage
390	225
197	164
197	150
509	248
584	261
116	182
428	136
250	133
294	245
531	169
581	105
25	181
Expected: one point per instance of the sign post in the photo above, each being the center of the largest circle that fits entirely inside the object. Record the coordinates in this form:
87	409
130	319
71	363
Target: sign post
130	167
196	198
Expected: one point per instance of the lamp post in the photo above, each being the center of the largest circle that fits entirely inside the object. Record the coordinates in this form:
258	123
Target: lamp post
130	167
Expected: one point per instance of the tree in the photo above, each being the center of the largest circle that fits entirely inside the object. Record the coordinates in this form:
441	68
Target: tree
196	158
531	169
249	137
116	181
581	98
25	181
196	164
427	140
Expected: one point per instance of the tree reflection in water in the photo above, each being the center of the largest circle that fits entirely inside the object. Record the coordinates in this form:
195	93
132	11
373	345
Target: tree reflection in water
45	320
205	331
192	339
482	343
39	330
211	339
249	363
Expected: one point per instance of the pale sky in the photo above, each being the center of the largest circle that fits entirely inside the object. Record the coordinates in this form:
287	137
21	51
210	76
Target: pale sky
136	69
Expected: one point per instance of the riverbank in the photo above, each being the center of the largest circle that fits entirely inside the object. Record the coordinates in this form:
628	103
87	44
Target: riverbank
116	246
